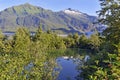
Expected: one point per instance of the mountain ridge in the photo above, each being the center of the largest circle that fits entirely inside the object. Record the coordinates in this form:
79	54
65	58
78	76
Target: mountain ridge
27	15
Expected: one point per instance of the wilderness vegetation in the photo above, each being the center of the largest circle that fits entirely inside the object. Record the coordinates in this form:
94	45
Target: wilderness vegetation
106	64
24	56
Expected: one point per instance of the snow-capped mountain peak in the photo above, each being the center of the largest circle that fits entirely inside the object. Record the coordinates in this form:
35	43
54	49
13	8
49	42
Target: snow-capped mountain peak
72	11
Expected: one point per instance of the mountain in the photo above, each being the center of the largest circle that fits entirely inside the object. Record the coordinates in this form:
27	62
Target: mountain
66	21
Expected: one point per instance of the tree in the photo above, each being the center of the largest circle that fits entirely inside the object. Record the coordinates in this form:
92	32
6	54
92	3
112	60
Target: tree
106	63
83	42
69	41
94	42
76	39
110	16
21	40
1	42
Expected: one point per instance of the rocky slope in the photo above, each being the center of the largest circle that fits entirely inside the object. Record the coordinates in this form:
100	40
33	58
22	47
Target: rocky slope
66	21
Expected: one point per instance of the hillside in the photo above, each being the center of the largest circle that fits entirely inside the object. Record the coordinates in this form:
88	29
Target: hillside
65	21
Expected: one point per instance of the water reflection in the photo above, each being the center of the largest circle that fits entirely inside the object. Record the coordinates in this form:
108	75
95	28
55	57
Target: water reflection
68	71
87	57
68	63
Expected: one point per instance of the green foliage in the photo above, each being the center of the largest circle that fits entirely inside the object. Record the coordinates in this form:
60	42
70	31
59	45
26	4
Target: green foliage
106	63
75	41
27	57
23	57
69	42
94	42
48	40
83	42
1	41
109	15
103	66
21	40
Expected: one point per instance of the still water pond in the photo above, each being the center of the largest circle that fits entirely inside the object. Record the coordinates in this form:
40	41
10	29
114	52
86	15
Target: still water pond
69	63
68	70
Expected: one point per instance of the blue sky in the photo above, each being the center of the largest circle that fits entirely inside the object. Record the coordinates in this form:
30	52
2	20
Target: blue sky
85	6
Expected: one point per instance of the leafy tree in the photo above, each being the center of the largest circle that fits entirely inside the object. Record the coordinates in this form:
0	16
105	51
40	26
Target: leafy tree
106	64
48	40
22	59
69	41
109	15
83	42
94	42
1	42
21	40
76	38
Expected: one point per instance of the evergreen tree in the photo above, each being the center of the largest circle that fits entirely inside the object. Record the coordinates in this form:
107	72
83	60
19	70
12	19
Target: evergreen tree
21	40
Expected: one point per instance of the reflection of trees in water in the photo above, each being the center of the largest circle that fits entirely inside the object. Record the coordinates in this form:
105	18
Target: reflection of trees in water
52	69
80	61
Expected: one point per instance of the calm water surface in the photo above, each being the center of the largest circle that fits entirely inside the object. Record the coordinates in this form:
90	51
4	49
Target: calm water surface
69	69
69	64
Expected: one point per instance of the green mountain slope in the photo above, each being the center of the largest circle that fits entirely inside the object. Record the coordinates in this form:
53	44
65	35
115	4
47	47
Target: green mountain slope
27	15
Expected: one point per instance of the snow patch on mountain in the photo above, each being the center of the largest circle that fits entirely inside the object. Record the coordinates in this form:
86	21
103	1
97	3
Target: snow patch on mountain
72	11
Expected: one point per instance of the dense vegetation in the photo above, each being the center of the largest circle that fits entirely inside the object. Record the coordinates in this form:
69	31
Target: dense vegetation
106	63
24	56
